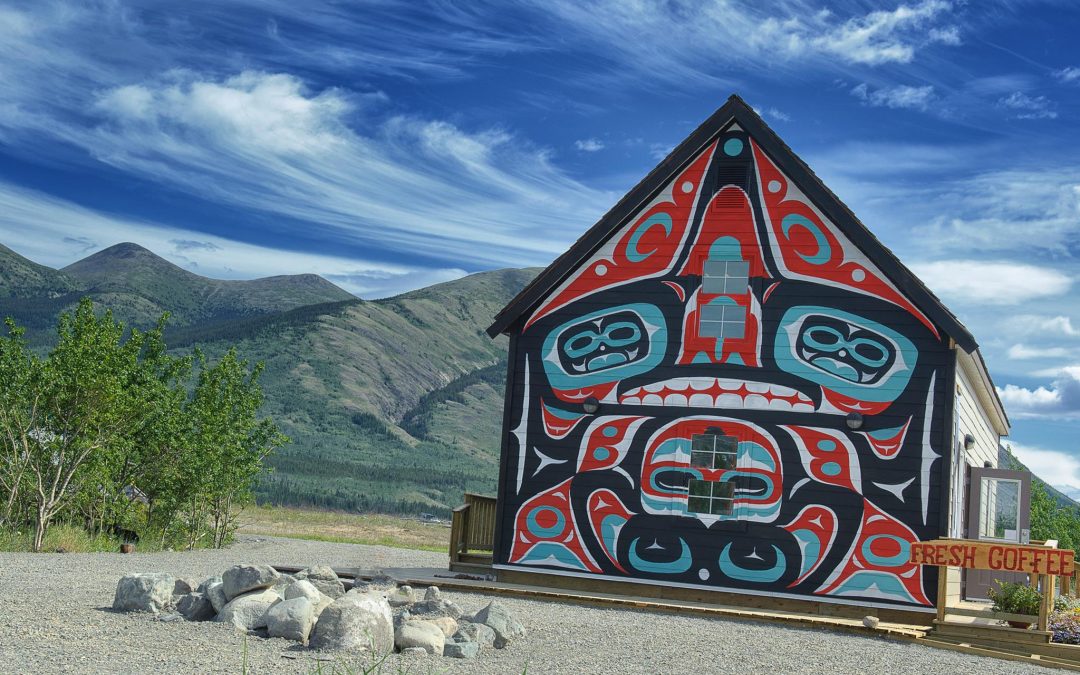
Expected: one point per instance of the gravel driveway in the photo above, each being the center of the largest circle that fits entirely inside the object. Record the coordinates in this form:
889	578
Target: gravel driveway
55	617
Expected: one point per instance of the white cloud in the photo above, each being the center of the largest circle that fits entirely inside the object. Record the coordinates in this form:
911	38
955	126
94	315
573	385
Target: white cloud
589	145
1061	469
991	282
886	36
49	231
1021	351
773	113
1060	400
1028	107
1069	74
902	96
1035	324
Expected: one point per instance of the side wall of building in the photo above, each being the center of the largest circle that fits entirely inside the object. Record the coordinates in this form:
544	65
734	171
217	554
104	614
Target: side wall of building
729	308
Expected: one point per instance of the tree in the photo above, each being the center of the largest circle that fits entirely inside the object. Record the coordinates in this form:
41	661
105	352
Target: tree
229	441
20	406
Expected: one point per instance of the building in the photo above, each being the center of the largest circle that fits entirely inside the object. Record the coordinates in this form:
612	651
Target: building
729	385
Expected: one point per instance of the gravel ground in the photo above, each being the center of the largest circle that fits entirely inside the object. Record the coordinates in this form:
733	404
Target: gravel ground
55	616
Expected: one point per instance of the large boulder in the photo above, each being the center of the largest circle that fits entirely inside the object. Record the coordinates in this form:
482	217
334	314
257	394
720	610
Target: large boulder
196	606
216	593
291	619
447	625
479	633
461	650
304	589
248	611
504	624
325	579
423	634
241	579
402	596
144	592
356	622
183	587
207	583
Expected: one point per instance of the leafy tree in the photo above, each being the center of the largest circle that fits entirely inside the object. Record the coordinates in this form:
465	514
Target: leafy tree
20	406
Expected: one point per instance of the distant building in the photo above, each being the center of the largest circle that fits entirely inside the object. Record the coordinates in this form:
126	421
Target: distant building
729	384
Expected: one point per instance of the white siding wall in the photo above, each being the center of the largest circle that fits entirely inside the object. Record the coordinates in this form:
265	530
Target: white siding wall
972	419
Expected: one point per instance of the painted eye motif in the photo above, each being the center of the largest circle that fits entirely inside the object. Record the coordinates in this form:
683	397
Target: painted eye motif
611	341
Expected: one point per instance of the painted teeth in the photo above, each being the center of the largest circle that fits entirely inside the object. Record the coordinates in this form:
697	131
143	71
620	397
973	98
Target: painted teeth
723	393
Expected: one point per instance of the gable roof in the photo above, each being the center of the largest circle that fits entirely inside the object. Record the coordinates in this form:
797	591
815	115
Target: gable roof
736	110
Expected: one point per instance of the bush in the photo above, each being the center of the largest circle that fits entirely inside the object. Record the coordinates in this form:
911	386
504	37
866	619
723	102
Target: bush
1011	598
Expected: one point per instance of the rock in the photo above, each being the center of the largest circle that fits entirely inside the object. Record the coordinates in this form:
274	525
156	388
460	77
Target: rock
325	579
196	606
303	589
434	604
401	596
149	592
482	635
241	579
432	594
207	583
461	650
417	633
216	593
291	619
447	625
356	622
506	627
414	651
870	621
248	611
183	586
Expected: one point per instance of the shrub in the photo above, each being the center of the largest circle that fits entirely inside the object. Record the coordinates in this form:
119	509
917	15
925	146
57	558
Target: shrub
1065	627
1011	598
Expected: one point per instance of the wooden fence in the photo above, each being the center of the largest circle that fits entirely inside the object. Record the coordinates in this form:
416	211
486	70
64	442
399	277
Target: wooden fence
472	533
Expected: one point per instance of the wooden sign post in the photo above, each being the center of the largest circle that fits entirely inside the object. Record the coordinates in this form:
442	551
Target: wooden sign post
1045	561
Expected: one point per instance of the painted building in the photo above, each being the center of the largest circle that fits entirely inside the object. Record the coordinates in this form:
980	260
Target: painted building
729	384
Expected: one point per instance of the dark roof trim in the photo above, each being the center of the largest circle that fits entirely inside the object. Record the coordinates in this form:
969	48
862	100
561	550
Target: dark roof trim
735	109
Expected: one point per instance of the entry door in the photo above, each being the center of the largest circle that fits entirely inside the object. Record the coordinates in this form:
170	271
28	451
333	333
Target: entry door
998	509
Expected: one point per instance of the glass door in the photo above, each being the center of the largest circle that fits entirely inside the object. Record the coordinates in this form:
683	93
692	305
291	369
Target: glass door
999	509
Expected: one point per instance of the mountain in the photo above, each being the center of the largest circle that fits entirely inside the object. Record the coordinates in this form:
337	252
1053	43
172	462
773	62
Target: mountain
139	286
392	404
1007	460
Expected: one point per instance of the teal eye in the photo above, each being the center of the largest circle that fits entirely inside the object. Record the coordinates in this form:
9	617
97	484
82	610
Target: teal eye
581	344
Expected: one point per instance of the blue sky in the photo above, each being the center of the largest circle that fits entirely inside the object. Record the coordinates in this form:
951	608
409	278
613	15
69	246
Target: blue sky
389	145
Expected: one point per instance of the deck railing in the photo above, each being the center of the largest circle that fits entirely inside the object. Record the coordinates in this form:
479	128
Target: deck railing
472	531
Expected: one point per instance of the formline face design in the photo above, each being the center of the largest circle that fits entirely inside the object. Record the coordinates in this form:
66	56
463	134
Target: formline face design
727	330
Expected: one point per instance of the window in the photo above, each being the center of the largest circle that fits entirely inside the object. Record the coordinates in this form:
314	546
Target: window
729	277
719	320
718	453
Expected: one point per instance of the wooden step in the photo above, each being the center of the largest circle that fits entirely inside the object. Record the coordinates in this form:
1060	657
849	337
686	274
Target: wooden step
958	645
990	634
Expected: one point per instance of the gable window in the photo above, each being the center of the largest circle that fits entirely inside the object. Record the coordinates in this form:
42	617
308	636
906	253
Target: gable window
714	452
725	277
723	317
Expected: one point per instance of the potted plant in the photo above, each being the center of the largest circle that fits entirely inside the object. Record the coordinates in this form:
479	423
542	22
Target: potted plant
1010	598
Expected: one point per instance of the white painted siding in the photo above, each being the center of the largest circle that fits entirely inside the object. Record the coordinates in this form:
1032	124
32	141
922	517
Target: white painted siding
972	419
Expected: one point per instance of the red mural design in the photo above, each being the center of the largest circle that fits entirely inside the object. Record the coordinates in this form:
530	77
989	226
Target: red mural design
606	442
815	529
545	528
647	248
828	456
809	249
887	442
607	515
877	564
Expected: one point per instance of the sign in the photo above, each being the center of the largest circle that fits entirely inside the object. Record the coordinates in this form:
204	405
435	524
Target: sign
984	555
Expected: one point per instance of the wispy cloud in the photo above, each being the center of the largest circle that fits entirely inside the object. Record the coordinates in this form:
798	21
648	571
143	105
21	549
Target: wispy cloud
992	282
1062	469
1069	74
32	223
1060	400
183	245
901	96
589	145
1021	351
773	113
1028	107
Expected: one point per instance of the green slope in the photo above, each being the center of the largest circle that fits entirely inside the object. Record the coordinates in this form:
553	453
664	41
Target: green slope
392	405
139	286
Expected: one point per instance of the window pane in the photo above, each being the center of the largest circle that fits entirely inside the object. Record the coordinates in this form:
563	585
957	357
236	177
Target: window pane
701	459
723	507
702	442
723	490
735	286
739	269
700	488
726	443
715	269
724	460
698	505
714	312
730	329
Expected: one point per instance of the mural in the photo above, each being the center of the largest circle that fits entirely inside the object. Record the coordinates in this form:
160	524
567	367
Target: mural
726	332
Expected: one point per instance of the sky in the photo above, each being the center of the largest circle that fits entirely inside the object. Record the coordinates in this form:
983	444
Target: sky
390	145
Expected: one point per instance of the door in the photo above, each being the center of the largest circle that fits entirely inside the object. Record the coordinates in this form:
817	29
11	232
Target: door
998	509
